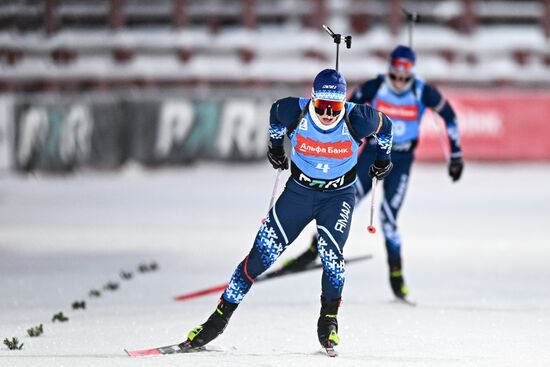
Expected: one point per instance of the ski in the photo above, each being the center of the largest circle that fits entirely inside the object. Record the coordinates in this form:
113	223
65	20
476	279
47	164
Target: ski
311	266
169	349
271	275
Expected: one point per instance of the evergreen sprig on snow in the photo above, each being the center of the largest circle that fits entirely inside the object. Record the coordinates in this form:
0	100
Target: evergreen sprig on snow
94	293
36	331
77	305
59	317
126	275
13	344
111	286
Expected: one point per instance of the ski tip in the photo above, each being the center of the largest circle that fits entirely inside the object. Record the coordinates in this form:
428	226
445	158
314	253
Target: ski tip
132	353
142	353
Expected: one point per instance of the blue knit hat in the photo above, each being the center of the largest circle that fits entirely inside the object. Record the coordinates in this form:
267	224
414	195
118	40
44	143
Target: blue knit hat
403	52
329	85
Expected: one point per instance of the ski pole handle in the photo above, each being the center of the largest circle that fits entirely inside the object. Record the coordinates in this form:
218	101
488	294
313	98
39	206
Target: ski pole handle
274	193
371	228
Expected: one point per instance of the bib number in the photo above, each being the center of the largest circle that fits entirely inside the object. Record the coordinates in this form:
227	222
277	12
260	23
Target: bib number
323	167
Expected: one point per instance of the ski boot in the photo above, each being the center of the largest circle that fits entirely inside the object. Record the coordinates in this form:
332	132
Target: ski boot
398	286
214	326
302	261
327	325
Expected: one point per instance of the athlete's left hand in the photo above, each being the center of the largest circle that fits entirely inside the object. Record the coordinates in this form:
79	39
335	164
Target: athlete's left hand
456	165
380	169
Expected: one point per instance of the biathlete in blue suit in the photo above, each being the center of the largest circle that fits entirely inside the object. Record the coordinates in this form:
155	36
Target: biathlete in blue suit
325	133
404	98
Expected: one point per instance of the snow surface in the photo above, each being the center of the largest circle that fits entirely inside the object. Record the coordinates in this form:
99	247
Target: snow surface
476	259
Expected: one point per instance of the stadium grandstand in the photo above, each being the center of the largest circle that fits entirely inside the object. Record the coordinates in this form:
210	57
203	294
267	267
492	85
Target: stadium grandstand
82	45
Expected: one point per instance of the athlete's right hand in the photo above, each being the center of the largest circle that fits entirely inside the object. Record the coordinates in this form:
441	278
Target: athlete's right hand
277	157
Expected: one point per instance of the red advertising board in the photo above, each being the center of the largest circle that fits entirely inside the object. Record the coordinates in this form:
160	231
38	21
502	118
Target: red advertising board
494	125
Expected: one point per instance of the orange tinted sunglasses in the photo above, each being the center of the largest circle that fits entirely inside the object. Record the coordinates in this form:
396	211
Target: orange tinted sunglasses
322	105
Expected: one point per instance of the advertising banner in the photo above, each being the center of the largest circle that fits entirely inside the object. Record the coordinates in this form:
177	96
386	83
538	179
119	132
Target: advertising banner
494	126
60	134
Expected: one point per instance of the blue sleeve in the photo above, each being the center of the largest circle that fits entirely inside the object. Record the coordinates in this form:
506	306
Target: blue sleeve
433	99
366	92
281	116
366	121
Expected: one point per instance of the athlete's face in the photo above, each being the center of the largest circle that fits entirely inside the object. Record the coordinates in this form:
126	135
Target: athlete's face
326	119
400	79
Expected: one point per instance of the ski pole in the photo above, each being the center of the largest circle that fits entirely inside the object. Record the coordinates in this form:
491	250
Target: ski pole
275	187
440	138
266	276
412	18
371	228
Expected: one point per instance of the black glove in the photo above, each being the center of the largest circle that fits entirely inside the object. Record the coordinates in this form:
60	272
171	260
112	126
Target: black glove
455	168
277	157
380	169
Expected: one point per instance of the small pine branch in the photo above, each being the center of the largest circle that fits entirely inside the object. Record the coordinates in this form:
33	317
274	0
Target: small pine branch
13	344
76	305
110	286
94	293
143	268
59	317
126	275
36	331
146	268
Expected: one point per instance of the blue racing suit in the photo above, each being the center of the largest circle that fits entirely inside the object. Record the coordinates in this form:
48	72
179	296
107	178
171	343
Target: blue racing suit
321	188
405	109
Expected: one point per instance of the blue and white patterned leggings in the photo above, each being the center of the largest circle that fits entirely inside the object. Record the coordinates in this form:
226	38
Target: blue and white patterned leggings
294	210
